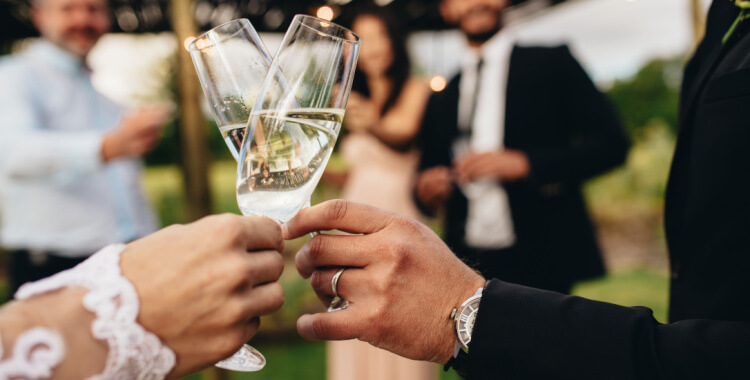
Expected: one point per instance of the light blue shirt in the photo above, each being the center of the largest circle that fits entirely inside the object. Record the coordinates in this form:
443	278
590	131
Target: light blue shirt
56	193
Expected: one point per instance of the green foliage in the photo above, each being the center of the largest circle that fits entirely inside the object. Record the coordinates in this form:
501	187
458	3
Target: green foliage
653	93
633	288
638	187
286	361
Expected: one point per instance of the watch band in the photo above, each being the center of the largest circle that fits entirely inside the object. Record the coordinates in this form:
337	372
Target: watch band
459	363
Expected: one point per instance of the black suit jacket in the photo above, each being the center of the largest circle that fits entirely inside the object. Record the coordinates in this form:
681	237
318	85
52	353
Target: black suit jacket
569	132
524	333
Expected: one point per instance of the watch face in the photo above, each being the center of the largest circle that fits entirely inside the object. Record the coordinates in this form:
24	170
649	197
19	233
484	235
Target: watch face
465	322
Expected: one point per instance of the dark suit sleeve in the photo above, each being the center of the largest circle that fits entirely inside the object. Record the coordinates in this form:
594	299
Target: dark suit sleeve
596	142
526	333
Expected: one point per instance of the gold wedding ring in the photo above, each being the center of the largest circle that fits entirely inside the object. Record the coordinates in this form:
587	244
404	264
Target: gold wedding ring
338	303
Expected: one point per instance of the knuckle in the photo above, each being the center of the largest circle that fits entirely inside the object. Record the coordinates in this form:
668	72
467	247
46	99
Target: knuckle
318	245
337	210
234	340
278	296
279	265
242	270
317	282
228	225
232	314
320	328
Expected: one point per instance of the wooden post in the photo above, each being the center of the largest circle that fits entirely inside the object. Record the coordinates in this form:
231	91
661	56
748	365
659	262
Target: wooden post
698	21
193	148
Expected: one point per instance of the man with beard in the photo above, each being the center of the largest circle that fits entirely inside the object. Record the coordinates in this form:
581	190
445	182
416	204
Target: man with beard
69	159
505	148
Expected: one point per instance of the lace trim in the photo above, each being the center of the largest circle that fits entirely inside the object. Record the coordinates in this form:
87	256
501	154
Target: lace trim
35	354
134	353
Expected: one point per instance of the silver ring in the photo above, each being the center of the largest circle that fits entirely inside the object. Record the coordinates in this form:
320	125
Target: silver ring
335	282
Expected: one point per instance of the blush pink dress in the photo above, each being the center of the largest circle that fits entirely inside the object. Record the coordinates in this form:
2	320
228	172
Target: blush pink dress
382	177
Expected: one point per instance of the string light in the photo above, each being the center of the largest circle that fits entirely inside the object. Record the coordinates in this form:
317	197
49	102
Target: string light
325	12
188	41
438	83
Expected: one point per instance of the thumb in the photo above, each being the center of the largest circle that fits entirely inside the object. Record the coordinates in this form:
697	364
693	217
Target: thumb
335	325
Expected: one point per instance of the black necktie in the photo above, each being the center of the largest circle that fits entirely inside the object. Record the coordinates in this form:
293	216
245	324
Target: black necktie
466	130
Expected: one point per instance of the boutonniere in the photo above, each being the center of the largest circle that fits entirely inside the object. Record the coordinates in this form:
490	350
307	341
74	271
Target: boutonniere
744	6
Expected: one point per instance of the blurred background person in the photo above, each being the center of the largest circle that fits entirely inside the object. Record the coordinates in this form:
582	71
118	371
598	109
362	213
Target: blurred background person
69	158
382	117
382	120
505	148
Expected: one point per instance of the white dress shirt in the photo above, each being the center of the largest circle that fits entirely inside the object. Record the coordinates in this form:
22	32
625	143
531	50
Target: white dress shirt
489	224
56	194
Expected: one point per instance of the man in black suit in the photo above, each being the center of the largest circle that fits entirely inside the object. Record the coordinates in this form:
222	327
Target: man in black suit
505	148
403	285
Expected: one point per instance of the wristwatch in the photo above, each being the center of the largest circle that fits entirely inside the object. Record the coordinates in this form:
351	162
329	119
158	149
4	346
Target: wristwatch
463	325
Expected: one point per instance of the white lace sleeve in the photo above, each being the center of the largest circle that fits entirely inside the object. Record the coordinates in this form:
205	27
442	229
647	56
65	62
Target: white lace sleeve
134	353
35	354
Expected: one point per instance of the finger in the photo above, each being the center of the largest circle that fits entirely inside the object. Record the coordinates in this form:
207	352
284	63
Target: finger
261	233
262	300
471	160
234	337
333	251
250	328
349	285
337	214
263	267
483	166
337	325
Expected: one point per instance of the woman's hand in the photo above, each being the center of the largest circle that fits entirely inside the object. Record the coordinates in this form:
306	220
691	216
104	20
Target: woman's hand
202	286
361	113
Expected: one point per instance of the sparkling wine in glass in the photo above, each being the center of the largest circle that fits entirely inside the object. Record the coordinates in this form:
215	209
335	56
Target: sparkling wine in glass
296	118
231	62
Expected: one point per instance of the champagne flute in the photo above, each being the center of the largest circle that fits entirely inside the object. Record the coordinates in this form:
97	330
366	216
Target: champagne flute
231	62
296	118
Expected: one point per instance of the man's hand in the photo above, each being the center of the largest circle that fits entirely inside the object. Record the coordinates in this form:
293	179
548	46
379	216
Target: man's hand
361	113
505	165
434	186
137	134
402	282
202	286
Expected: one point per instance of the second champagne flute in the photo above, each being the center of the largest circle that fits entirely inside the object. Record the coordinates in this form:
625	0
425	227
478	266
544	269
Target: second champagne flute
296	118
231	62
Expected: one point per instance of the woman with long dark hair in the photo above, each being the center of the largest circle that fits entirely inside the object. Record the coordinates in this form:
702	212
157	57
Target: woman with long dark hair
382	119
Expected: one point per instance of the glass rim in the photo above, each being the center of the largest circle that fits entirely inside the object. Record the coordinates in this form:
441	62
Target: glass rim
203	36
302	18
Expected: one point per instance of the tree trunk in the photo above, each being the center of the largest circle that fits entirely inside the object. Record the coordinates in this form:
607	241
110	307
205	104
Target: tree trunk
698	20
194	157
193	150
